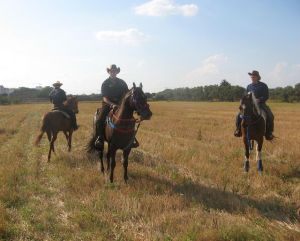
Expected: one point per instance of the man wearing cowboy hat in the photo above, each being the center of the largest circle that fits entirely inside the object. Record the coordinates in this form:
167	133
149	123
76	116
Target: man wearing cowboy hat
112	90
261	92
57	98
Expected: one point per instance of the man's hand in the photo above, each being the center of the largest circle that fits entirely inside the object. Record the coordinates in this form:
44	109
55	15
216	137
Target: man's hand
113	107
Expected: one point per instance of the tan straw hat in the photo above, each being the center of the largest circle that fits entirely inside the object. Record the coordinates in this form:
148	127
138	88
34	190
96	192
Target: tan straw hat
113	67
57	83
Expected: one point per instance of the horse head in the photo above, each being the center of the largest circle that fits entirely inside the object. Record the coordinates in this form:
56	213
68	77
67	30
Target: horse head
139	103
249	107
72	104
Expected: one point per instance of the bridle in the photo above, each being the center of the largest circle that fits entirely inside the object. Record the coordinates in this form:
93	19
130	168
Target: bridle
248	118
138	107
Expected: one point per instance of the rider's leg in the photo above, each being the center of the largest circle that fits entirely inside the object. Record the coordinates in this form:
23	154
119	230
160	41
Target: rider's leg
270	121
100	125
238	131
73	118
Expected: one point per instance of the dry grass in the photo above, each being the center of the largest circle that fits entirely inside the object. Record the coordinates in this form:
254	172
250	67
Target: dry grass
186	181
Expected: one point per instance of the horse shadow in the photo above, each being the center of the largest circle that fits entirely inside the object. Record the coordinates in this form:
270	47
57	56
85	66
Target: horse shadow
219	200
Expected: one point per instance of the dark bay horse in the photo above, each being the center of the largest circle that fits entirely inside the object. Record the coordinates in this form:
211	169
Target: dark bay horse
120	129
56	121
253	129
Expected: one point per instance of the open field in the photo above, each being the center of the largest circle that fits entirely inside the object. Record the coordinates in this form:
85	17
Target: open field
186	180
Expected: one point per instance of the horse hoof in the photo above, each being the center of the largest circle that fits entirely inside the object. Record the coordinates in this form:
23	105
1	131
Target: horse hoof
246	166
260	166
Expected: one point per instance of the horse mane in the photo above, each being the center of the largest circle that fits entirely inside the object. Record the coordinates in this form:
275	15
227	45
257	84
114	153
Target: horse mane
255	103
125	96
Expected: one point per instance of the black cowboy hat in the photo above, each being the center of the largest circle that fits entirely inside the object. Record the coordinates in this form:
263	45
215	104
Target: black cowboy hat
255	73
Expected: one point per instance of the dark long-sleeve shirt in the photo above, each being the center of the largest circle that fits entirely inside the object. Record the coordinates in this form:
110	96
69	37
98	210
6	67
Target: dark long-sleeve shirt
260	90
114	90
57	97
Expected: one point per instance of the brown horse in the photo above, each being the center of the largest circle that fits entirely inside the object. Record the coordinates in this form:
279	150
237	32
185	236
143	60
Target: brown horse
120	129
253	129
56	121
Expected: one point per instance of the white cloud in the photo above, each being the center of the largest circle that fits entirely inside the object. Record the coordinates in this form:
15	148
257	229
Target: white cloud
166	7
284	74
129	36
209	68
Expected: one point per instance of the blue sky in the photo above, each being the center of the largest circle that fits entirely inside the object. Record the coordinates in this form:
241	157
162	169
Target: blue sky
162	43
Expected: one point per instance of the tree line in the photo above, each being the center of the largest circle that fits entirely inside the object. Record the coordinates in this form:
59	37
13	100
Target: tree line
222	92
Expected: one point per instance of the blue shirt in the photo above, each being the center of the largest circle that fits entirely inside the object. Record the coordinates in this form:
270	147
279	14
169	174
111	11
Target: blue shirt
260	90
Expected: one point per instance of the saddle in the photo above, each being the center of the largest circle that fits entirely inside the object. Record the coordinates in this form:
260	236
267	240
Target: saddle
61	111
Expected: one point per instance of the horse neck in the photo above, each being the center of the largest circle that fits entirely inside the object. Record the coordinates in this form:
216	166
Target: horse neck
125	111
68	104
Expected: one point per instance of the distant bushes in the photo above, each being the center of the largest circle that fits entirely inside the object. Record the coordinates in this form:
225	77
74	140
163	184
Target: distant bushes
222	92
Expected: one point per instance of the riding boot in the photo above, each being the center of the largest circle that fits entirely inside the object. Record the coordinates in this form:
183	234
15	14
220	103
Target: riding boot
135	144
238	131
269	123
269	130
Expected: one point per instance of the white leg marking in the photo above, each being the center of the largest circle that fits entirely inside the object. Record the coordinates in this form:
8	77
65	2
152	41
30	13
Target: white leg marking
258	155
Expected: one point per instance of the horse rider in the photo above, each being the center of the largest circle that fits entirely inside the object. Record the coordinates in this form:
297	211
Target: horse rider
57	98
113	90
261	93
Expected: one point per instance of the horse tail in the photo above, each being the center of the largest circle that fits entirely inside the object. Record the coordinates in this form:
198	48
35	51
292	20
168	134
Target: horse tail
42	130
90	147
38	139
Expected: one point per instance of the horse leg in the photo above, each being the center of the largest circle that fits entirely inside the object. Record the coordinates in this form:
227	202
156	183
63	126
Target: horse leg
67	136
49	135
247	154
258	155
53	138
101	160
125	163
112	164
70	140
108	157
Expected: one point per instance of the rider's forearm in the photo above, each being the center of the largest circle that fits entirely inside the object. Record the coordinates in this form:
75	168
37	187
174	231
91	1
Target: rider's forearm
107	101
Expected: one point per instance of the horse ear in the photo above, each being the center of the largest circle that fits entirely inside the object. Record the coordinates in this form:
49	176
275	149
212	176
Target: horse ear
134	86
141	85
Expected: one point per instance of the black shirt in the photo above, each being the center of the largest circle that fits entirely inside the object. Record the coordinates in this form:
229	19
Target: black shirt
57	96
260	90
114	90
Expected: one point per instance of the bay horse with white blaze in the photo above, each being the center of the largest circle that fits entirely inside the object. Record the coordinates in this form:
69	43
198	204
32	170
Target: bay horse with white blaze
253	129
56	121
120	129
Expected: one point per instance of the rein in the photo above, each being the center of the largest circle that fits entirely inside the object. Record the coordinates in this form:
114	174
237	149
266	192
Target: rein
134	121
